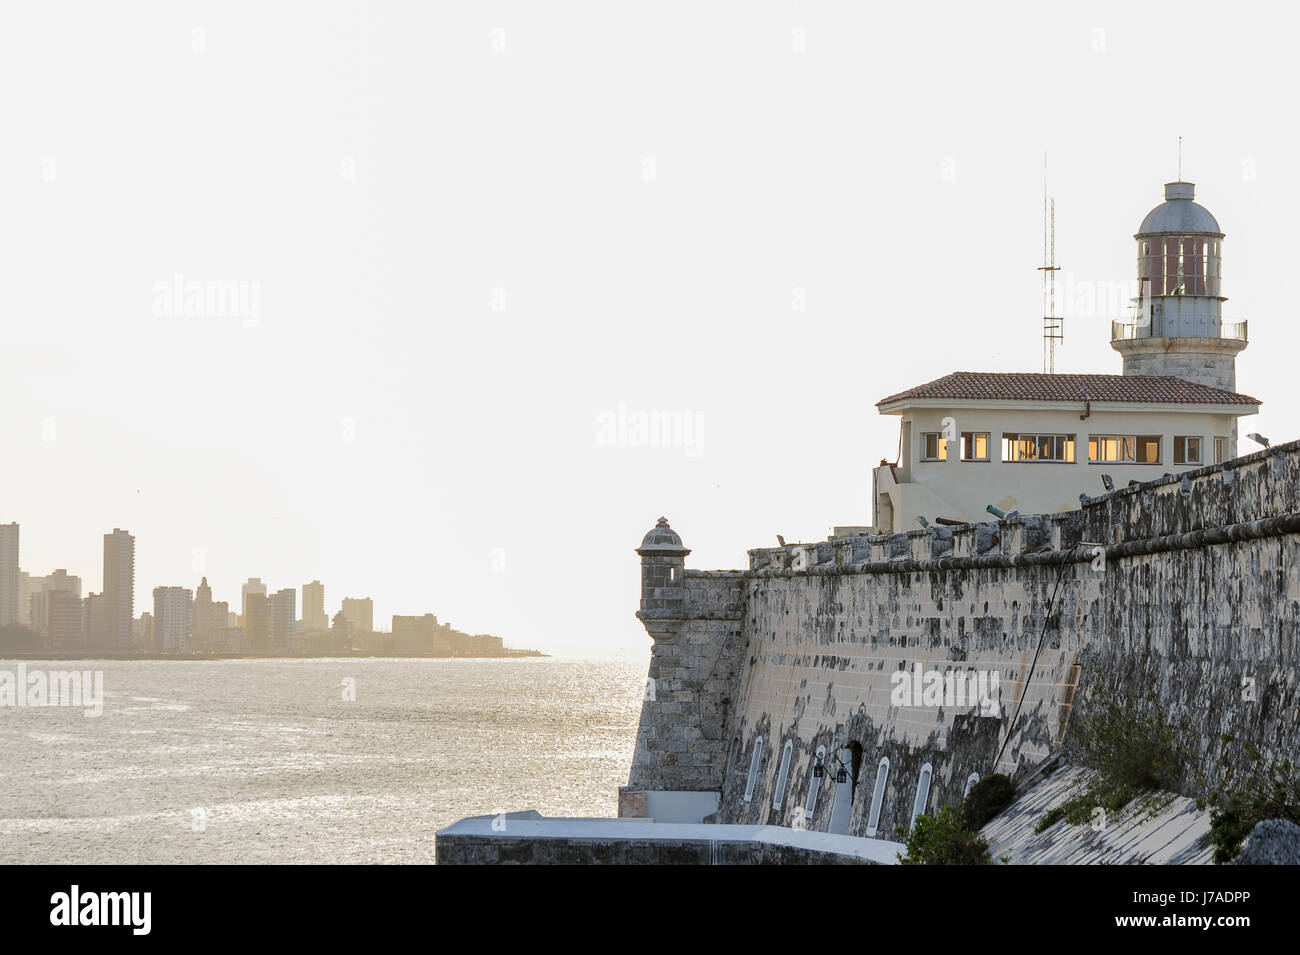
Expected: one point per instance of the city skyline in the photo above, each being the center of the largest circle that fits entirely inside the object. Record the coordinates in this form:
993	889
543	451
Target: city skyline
179	615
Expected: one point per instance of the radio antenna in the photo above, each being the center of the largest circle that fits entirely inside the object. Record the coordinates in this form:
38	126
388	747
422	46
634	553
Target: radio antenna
1053	324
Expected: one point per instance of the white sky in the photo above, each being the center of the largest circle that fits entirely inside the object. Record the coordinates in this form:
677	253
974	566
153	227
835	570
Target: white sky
892	170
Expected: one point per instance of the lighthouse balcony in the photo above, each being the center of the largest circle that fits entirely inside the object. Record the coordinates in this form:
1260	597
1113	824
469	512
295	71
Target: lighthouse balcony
1127	331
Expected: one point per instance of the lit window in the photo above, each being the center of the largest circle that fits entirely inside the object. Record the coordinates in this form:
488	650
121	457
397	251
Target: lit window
815	786
933	446
1124	448
1220	450
1057	448
878	796
779	793
922	794
971	780
974	445
753	768
1187	450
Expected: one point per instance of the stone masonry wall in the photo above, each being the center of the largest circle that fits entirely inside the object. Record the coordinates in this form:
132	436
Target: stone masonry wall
1184	586
691	687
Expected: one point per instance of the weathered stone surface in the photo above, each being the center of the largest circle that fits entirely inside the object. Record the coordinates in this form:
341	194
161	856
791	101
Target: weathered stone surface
1139	589
1271	842
1157	829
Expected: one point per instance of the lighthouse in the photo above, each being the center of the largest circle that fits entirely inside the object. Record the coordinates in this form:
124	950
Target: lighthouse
1064	438
1177	328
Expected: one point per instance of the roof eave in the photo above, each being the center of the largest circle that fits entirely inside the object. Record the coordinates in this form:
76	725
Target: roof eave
900	405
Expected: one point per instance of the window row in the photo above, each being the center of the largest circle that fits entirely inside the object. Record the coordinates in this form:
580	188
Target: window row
1060	448
843	771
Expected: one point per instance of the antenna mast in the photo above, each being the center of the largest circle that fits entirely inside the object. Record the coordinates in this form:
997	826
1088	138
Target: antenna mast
1053	324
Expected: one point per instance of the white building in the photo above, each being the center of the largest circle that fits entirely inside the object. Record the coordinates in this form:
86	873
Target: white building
1035	442
173	618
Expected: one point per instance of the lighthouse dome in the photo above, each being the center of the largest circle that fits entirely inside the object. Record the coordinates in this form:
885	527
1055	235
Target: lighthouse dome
1179	214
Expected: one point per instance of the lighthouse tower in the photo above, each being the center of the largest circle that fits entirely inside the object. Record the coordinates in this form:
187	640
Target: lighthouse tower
1178	328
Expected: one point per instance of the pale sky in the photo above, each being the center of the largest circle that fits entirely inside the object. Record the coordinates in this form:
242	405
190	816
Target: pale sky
476	236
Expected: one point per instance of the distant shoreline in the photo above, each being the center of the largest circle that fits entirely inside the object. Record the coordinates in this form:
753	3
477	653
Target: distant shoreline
20	655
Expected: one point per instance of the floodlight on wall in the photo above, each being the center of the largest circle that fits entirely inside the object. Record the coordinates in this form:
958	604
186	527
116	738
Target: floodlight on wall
1258	438
1108	481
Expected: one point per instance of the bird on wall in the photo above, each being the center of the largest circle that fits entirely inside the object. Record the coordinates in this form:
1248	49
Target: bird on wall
780	540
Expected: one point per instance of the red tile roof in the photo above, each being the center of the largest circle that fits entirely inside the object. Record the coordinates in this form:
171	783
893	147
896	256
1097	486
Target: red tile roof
1019	386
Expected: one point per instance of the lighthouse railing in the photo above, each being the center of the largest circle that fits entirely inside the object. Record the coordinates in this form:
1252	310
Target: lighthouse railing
1122	331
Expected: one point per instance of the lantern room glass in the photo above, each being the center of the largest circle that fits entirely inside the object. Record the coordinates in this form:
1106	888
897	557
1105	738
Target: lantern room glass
1179	265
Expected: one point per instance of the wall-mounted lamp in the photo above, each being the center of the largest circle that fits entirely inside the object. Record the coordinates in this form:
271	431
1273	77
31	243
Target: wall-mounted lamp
842	774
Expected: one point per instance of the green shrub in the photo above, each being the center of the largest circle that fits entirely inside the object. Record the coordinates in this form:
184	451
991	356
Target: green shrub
1050	818
986	799
1131	744
1268	789
1132	748
1078	809
943	839
951	836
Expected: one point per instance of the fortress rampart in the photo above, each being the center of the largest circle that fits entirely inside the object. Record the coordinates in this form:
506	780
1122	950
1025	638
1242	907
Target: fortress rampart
1188	587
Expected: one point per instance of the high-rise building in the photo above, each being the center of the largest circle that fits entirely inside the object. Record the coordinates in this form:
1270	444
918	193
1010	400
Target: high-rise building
28	586
202	605
41	610
210	619
142	633
59	580
256	621
420	635
10	576
173	618
313	606
58	616
96	621
119	587
360	612
282	627
253	586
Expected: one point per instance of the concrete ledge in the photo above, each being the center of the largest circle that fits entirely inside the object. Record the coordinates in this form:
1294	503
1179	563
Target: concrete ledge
667	806
530	839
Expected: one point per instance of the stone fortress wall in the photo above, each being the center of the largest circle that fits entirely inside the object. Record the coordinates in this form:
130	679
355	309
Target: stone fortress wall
1188	586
